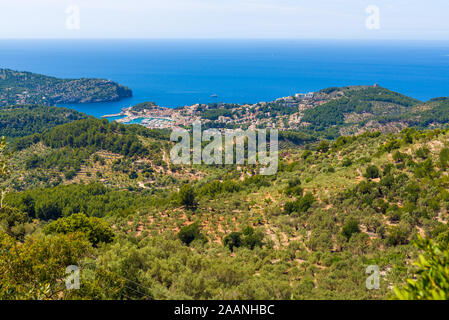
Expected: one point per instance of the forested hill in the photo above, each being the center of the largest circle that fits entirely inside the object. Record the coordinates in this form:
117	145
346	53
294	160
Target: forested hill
23	120
30	88
88	149
355	110
356	104
358	109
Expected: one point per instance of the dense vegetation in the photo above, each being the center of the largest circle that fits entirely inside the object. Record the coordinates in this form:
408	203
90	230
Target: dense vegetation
357	101
93	200
278	237
24	120
432	281
104	197
95	134
30	88
69	147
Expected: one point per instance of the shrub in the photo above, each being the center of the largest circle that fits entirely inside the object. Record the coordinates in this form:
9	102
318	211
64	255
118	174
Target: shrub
346	162
387	181
249	239
94	228
432	277
253	239
398	157
189	233
233	240
12	220
290	207
423	153
392	145
302	204
70	175
187	196
397	236
372	172
323	146
444	157
306	154
294	188
350	227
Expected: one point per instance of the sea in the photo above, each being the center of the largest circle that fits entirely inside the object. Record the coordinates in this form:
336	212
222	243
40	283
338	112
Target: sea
175	73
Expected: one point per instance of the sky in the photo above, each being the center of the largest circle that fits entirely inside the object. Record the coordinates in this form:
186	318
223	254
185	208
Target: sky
230	19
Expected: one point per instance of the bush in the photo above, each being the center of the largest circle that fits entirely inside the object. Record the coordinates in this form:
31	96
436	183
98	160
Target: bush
290	207
187	234
249	239
397	236
423	153
444	157
187	196
306	154
372	172
432	277
252	238
392	145
387	181
11	221
346	162
350	227
94	228
398	157
70	175
233	240
302	204
323	146
294	188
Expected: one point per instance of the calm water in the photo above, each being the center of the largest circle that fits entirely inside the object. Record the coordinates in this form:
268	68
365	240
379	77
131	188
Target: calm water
183	72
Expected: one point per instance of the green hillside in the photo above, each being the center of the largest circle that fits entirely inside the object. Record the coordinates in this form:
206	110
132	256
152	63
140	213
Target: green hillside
145	228
356	107
24	120
18	87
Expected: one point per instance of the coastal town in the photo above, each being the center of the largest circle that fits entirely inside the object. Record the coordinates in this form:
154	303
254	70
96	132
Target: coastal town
282	113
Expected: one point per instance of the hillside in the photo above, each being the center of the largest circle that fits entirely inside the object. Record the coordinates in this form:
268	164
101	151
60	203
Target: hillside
149	229
23	120
358	109
89	150
30	88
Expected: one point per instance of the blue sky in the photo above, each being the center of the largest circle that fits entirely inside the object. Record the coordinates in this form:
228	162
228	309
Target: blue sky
312	19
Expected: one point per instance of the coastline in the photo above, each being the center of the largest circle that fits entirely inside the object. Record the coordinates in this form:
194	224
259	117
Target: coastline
153	116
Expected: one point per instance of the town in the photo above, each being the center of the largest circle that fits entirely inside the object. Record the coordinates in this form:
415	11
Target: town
283	113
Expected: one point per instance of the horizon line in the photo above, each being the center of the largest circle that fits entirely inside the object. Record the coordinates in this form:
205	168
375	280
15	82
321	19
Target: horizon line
235	39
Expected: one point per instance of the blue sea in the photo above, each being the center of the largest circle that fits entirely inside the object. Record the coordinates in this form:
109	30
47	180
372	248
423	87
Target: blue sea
183	72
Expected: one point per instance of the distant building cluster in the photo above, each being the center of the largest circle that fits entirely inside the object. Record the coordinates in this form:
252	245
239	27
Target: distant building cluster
284	113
